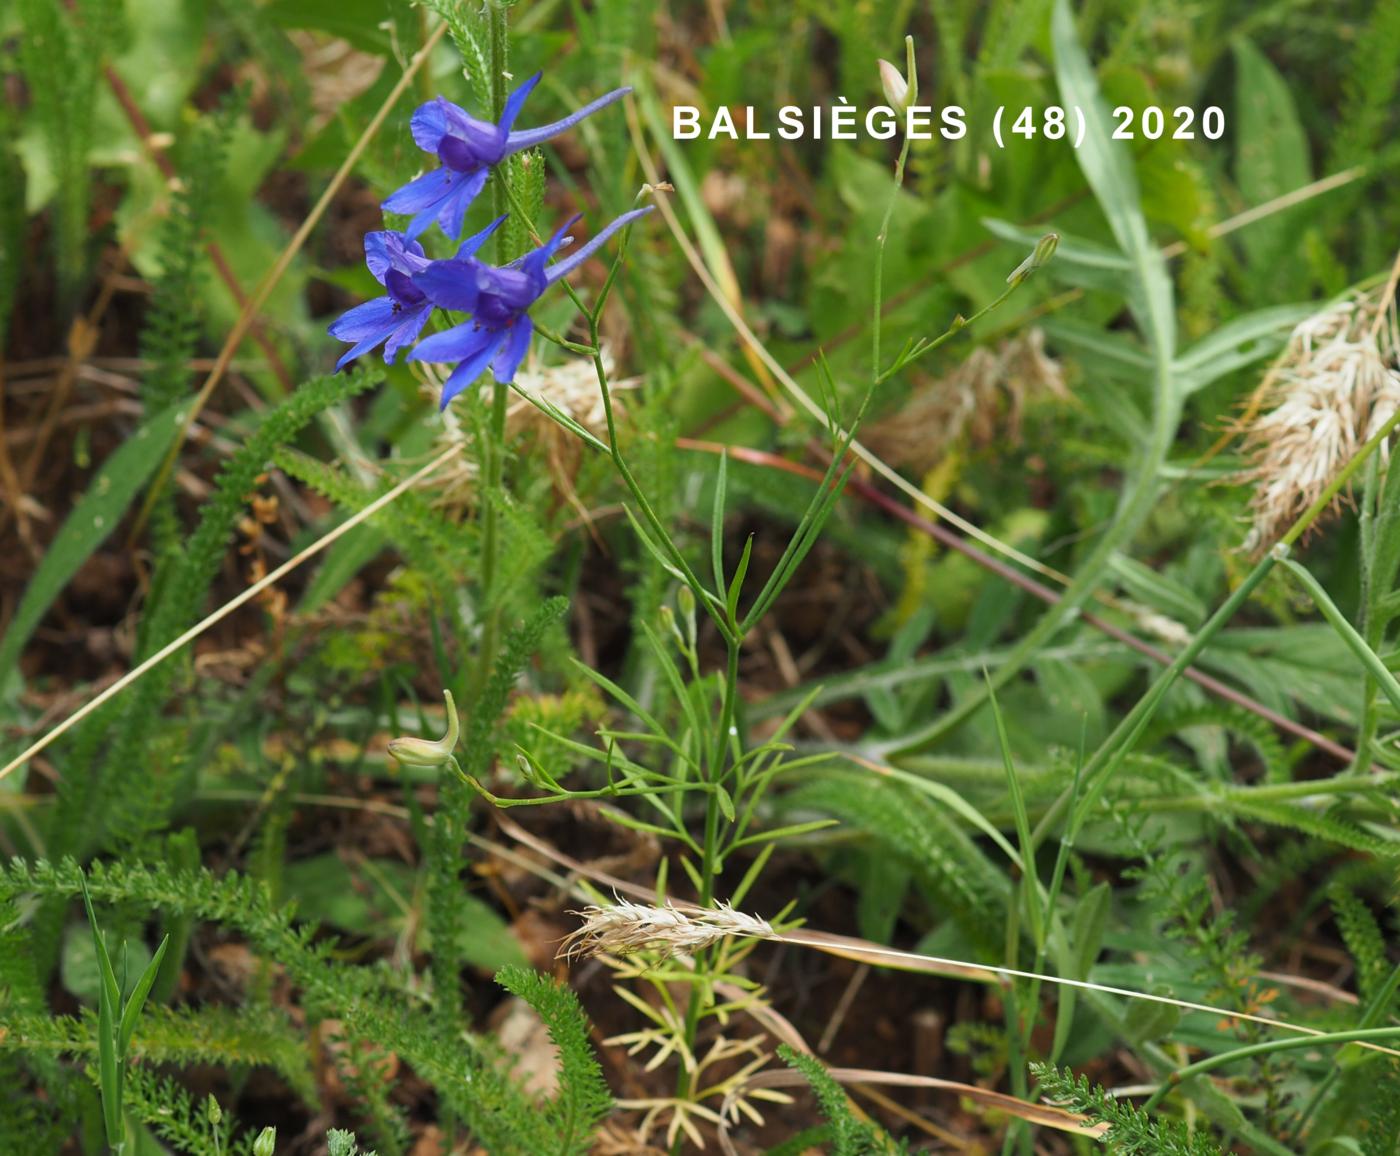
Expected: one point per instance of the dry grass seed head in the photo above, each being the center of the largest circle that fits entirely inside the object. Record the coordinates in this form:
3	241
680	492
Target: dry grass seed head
628	927
572	386
1335	386
969	400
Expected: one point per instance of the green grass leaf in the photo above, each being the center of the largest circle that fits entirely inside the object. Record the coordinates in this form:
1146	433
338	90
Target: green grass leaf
87	527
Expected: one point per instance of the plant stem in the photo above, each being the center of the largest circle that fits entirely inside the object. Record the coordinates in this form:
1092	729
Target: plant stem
648	512
1268	1047
494	449
718	767
1119	743
876	323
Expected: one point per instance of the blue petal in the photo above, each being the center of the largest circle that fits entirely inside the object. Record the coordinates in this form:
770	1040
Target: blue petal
476	240
516	101
472	368
366	343
407	254
413	322
461	342
454	208
375	316
511	289
423	192
432	121
377	255
579	256
451	284
402	289
513	352
533	262
533	136
457	154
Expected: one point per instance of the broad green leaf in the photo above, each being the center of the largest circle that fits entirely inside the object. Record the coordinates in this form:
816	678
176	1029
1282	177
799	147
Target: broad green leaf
1087	929
1158	591
1108	168
1101	350
1271	158
88	526
376	898
1236	344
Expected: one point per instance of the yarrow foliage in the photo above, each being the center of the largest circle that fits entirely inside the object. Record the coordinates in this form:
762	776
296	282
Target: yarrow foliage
498	298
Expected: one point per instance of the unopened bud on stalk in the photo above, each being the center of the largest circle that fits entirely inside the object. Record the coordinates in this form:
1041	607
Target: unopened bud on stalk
668	624
266	1143
1040	255
685	603
901	93
425	752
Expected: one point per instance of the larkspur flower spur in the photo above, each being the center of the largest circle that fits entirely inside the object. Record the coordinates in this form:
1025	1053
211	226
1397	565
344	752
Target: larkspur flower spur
397	318
499	300
468	148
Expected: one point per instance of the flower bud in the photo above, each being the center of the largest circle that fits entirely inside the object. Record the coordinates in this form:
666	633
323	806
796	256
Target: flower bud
413	752
1040	255
266	1142
895	86
901	93
685	603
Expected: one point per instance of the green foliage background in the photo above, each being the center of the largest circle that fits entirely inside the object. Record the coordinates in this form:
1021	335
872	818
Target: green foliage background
1025	809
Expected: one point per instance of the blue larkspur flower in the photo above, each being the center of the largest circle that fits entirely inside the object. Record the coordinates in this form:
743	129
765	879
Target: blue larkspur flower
397	318
499	300
468	148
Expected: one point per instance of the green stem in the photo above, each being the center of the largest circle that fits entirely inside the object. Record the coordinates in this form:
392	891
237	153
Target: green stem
1355	643
1268	1047
1119	744
1370	619
1266	793
1379	1004
648	512
718	768
878	319
495	447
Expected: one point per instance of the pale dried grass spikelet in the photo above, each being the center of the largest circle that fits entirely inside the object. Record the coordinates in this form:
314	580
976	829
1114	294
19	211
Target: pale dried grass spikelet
983	397
629	927
1334	387
572	386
